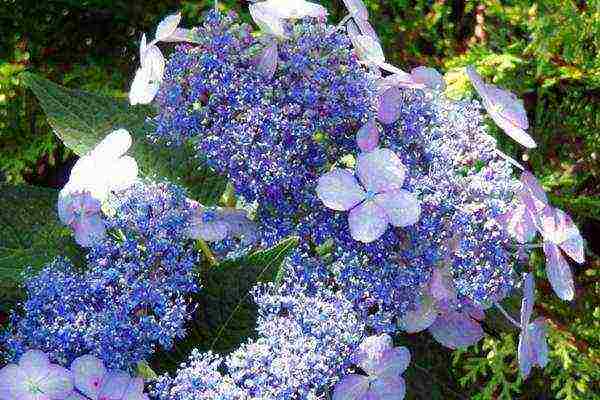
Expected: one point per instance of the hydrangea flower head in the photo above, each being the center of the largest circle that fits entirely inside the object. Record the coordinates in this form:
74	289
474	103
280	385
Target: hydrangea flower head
94	382
383	365
533	347
377	201
505	109
104	169
35	378
82	213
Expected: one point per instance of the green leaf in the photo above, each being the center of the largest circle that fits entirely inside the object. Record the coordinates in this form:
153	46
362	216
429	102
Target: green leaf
225	314
32	236
81	120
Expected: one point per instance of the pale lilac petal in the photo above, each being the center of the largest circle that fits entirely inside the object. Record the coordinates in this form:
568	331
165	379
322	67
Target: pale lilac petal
393	362
508	106
456	330
351	387
421	318
571	240
370	352
367	48
536	193
88	372
135	390
266	19
441	285
267	61
167	26
365	28
58	382
143	89
339	190
154	61
428	77
402	207
389	388
113	146
77	396
238	223
397	79
558	272
533	346
380	170
518	223
524	353
516	133
528	299
122	173
388	110
114	385
34	361
89	230
11	378
181	35
367	222
357	9
367	137
211	231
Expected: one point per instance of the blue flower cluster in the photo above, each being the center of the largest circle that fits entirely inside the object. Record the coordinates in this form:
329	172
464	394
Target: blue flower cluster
304	342
274	137
130	297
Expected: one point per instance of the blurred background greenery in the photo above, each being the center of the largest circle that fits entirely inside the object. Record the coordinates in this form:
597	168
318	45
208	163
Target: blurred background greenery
546	51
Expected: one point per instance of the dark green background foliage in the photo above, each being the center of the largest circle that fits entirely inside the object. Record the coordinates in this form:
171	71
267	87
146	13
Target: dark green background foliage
546	51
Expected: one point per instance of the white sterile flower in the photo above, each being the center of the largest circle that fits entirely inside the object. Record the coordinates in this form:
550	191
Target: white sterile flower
105	168
269	15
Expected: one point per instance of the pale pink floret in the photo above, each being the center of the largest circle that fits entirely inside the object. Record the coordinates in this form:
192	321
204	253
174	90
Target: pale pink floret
35	378
266	62
94	382
383	365
377	201
82	213
367	137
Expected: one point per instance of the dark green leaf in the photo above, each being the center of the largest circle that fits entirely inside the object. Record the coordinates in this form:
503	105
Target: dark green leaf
82	119
31	236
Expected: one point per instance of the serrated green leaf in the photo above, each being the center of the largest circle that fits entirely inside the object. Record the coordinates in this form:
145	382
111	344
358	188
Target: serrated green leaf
81	120
225	314
32	236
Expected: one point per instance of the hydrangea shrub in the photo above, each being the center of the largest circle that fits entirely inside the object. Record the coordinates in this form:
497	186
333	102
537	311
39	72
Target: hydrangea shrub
408	217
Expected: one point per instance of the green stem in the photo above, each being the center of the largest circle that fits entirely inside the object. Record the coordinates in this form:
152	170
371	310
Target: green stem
210	257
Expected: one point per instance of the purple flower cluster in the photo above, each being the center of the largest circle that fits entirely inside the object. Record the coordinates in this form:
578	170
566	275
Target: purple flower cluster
132	294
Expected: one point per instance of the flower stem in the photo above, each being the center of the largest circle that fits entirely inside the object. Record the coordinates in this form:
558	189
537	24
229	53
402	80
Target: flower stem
210	257
503	311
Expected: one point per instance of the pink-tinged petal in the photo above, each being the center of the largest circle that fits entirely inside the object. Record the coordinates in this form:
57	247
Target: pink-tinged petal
456	330
524	353
421	318
393	362
388	110
58	382
34	361
367	222
367	137
77	396
558	272
535	194
135	390
89	230
365	28
167	26
508	106
88	373
518	223
339	190
266	19
400	79
389	388
380	170
351	387
402	207
528	298
533	347
11	378
428	77
114	385
266	63
441	285
357	9
370	352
